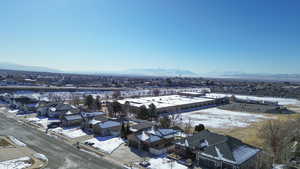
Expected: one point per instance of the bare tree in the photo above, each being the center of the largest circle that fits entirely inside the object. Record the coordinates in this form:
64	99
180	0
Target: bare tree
55	98
156	92
75	100
127	109
188	128
276	136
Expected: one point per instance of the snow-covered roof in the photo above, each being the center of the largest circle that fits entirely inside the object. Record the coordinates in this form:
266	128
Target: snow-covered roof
143	136
52	108
92	114
153	135
73	117
93	121
220	147
243	153
164	101
109	124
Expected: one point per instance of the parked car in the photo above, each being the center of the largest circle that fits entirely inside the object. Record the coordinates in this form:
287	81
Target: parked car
145	164
53	125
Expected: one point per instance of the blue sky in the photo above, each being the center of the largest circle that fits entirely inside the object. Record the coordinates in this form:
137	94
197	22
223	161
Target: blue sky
254	36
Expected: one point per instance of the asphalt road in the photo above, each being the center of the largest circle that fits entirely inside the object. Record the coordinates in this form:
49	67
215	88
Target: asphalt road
60	154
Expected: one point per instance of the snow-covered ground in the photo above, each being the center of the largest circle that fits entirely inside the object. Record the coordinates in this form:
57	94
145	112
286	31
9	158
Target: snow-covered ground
19	163
13	111
164	163
106	144
16	141
40	156
41	121
281	101
70	132
221	119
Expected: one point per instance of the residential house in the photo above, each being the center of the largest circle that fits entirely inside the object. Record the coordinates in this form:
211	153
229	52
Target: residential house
25	104
57	110
107	128
91	118
214	151
156	141
71	120
138	127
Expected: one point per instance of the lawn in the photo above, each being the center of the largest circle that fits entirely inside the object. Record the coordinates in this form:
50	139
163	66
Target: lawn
4	143
249	134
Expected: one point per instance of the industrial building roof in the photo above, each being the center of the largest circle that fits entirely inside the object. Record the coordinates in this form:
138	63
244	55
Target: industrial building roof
164	101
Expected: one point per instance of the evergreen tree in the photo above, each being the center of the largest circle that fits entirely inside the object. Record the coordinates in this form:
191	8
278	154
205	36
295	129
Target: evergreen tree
98	103
165	122
199	128
89	101
123	131
116	107
143	113
152	111
128	129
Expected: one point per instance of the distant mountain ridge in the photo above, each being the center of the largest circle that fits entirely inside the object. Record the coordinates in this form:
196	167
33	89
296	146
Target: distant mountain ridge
12	66
137	72
265	76
161	72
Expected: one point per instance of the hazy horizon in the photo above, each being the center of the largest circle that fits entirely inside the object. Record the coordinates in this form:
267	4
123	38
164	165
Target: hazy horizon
251	36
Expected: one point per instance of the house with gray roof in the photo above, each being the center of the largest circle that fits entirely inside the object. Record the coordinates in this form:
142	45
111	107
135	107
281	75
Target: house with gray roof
57	110
91	118
71	120
215	151
155	141
107	128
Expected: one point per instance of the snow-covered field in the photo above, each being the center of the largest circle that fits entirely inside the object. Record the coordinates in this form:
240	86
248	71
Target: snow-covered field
106	144
281	101
164	163
221	119
19	163
71	133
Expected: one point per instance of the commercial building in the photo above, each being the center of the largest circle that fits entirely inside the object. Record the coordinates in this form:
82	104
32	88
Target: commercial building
173	103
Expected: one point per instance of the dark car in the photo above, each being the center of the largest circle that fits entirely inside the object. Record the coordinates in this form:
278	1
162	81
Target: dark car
53	125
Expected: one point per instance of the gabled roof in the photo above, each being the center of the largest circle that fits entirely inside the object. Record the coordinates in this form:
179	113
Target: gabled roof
109	124
219	147
26	100
141	126
32	105
101	118
92	114
154	135
73	117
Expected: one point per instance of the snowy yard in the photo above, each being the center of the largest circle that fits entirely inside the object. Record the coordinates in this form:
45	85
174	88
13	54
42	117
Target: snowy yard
106	144
221	119
164	163
41	121
13	111
69	132
19	163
